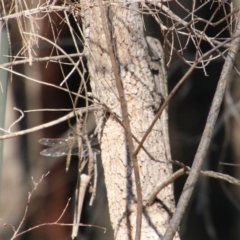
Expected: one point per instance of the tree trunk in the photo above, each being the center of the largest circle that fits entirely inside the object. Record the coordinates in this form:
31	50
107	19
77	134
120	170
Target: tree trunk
126	28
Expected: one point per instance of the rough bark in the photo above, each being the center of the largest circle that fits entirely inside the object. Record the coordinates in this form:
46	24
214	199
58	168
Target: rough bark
126	28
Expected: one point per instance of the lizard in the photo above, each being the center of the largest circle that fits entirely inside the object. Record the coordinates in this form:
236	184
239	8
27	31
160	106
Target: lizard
158	68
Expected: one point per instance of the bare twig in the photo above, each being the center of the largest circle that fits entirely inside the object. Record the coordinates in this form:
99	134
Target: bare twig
60	225
49	124
40	82
56	223
16	232
40	59
18	120
187	170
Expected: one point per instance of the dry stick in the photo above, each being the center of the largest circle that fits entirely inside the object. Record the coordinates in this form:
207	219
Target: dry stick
94	189
206	137
29	12
38	81
126	121
83	183
56	223
40	59
206	26
61	225
186	24
83	179
163	184
57	47
91	167
49	124
27	206
187	170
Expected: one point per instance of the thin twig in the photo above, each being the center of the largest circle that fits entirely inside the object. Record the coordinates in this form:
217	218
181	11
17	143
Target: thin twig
18	120
41	82
49	124
40	59
16	232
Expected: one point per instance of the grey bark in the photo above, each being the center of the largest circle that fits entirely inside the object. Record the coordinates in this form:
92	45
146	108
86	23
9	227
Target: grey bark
126	28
